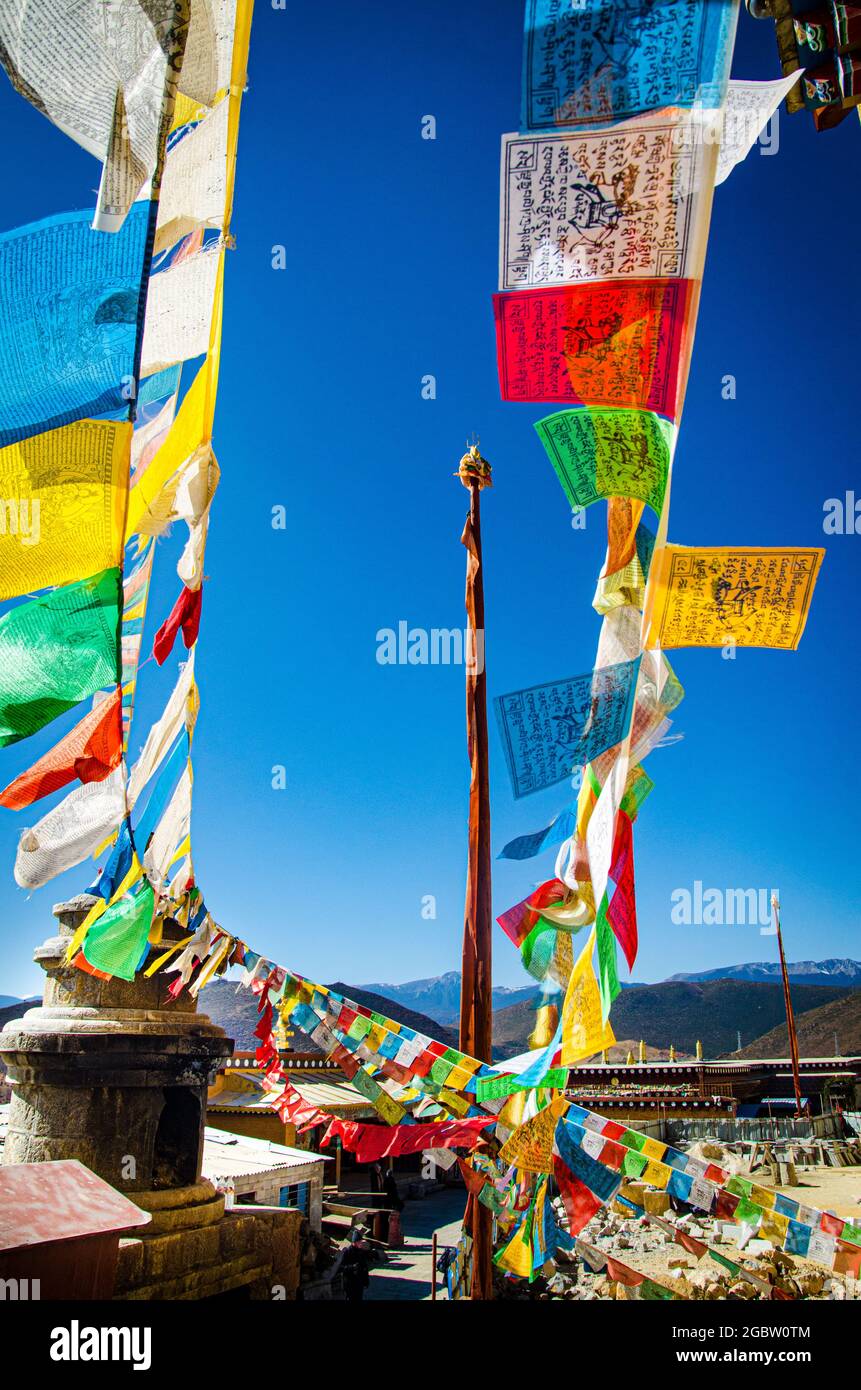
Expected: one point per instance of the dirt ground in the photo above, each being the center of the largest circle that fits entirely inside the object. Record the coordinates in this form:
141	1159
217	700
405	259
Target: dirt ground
827	1189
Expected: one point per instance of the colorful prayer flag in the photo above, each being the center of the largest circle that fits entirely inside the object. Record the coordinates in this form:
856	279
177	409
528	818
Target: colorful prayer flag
747	596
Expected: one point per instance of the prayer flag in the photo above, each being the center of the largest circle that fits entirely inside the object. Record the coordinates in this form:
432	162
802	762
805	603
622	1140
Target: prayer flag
548	730
71	305
599	453
57	650
610	59
89	751
746	596
616	344
64	496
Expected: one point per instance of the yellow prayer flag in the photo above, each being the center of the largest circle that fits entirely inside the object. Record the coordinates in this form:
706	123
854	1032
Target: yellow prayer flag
774	1227
583	1033
62	501
653	1148
531	1146
763	1196
730	595
517	1255
655	1174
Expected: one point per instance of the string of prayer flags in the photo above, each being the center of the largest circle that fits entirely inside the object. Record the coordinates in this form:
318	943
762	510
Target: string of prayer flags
66	497
616	344
89	752
549	729
599	453
71	305
372	1142
818	1235
179	715
56	651
185	617
613	204
584	1184
606	61
108	82
746	596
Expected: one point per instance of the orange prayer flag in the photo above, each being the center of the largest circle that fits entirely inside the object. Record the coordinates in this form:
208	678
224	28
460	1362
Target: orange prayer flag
89	752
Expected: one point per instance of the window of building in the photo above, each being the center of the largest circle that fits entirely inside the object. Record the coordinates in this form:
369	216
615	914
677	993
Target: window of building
297	1195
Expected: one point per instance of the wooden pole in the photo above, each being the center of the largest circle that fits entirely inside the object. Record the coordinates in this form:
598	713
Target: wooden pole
433	1268
790	1017
475	995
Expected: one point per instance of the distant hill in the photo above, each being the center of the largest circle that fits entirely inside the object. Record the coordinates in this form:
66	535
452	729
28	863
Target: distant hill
844	974
816	1029
680	1013
6	999
236	1013
439	996
16	1009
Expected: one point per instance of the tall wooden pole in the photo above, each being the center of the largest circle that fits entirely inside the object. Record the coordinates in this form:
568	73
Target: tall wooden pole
790	1017
475	993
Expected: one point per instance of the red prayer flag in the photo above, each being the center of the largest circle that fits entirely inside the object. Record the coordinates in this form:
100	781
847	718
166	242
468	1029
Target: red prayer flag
89	752
370	1142
580	1204
622	911
185	614
611	343
622	1274
519	920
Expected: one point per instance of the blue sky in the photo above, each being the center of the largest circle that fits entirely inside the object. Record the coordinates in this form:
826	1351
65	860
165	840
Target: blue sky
391	249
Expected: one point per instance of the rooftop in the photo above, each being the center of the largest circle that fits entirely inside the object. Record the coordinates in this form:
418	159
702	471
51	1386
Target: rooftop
238	1156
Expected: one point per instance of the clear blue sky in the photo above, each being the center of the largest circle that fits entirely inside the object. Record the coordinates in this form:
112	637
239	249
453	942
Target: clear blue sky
392	260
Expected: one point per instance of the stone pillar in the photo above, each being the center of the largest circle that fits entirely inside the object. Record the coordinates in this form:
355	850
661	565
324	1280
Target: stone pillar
109	1072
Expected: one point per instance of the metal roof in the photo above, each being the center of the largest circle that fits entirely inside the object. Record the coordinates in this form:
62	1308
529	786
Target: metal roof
336	1097
238	1156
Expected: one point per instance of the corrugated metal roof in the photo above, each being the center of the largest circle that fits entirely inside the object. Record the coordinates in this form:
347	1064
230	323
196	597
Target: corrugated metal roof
336	1097
238	1156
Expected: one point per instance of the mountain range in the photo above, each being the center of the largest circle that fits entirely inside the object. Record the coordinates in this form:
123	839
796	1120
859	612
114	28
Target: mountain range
439	995
683	1012
841	973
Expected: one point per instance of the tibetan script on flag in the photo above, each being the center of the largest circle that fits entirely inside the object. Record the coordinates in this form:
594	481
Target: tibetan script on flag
607	60
598	453
616	344
602	205
550	729
711	597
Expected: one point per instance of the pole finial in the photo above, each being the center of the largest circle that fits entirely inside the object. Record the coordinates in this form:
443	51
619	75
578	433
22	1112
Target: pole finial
473	469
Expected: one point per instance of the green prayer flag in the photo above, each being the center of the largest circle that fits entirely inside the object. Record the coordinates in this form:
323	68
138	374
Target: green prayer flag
57	650
748	1212
608	975
651	1291
727	1264
601	452
116	942
633	1164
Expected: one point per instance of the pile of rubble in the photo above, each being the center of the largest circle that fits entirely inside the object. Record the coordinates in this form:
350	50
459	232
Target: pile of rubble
643	1229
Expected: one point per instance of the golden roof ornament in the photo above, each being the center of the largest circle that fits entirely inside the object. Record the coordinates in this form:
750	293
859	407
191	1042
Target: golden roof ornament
473	469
